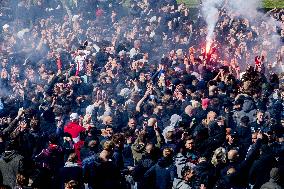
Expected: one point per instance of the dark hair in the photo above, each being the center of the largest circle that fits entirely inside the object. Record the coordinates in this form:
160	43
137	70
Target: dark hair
245	120
185	169
94	131
53	139
127	134
108	127
67	135
148	109
11	145
190	137
82	135
118	138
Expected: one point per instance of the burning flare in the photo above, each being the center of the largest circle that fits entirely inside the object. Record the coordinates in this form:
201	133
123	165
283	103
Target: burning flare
208	47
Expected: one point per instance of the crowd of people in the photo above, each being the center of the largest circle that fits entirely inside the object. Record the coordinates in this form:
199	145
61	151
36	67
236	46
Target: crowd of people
108	94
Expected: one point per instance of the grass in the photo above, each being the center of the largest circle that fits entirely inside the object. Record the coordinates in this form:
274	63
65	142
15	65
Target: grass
190	3
266	3
273	4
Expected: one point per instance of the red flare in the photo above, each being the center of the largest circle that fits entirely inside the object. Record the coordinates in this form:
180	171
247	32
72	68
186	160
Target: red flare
208	47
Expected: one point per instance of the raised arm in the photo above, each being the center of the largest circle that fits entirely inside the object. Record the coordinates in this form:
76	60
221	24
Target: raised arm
13	124
138	106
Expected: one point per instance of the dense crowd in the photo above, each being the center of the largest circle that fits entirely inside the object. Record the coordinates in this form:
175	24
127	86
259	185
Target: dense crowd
108	94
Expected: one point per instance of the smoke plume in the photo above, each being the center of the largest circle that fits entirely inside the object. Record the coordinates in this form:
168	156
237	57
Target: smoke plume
211	15
248	9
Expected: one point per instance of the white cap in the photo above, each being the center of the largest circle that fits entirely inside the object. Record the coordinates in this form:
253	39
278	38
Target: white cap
6	26
153	19
125	92
152	34
123	52
175	118
21	33
179	52
90	109
74	116
197	75
168	129
75	17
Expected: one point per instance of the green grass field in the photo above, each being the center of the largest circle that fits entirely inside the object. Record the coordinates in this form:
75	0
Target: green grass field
273	3
190	3
266	3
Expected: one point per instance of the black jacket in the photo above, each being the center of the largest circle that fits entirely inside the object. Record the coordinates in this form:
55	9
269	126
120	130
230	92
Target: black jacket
100	174
229	182
71	171
204	171
140	169
163	173
260	170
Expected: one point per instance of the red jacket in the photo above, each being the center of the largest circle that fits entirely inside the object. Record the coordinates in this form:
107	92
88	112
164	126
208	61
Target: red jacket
73	129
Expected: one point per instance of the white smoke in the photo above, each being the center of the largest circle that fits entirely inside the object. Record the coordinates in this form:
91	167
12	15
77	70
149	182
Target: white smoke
239	8
244	8
211	15
248	9
268	38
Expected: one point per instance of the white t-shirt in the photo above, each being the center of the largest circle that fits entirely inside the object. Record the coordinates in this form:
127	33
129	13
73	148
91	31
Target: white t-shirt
133	52
80	62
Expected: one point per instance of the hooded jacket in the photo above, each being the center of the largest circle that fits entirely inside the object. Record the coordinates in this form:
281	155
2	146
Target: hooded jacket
181	184
74	130
11	164
272	184
248	109
275	180
138	150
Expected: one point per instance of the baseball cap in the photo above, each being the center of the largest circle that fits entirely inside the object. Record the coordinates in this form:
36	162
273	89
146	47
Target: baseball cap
74	116
6	26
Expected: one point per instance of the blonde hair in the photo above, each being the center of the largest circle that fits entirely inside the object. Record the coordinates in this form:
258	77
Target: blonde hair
219	156
210	115
108	145
72	184
22	180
